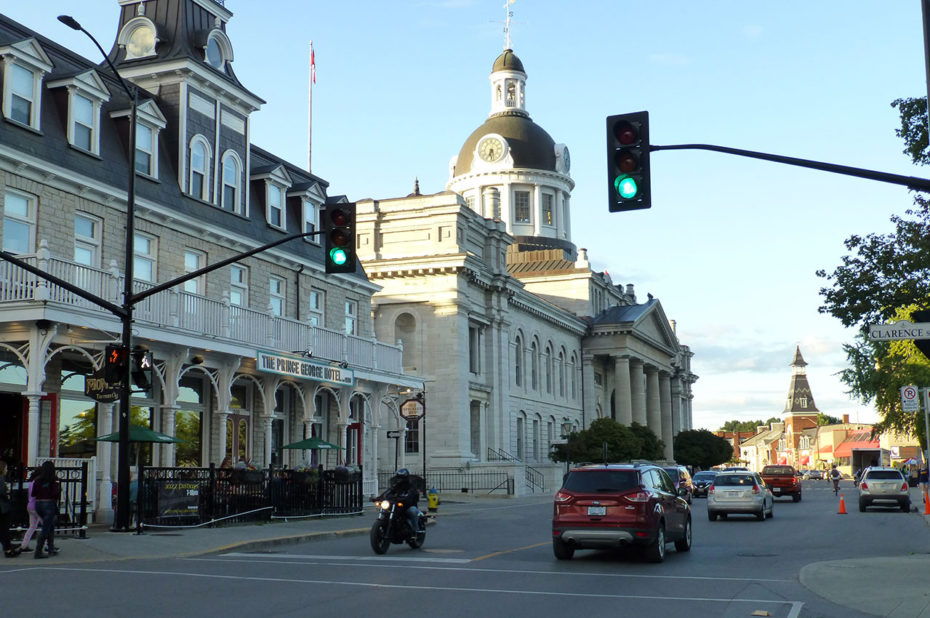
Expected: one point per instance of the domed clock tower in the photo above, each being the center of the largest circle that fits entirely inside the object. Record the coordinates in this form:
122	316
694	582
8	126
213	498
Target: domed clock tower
510	169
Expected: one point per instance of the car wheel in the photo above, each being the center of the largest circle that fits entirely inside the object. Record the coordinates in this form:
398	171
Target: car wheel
796	497
772	510
711	515
862	506
562	550
761	514
684	543
906	506
655	552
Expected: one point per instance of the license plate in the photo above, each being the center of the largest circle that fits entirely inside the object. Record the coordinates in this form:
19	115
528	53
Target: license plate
597	510
777	490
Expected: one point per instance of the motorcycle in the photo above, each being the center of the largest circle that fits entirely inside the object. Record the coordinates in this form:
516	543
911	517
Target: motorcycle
392	527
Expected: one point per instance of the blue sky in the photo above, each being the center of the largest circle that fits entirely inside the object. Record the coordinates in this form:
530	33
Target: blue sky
730	245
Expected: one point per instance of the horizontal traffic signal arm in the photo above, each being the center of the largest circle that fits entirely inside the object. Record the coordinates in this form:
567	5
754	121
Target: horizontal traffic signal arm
911	182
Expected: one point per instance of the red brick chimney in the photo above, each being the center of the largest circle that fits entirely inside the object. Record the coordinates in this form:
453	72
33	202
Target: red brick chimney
846	418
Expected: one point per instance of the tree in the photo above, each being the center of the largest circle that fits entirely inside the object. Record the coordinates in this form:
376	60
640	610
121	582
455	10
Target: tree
701	448
734	426
826	419
623	443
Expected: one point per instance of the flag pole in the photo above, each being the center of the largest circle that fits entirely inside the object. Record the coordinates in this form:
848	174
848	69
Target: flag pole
312	78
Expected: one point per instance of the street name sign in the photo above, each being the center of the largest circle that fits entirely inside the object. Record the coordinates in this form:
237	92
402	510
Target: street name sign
899	330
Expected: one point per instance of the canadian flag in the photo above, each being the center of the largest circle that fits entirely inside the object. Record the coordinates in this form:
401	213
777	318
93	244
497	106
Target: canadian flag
312	64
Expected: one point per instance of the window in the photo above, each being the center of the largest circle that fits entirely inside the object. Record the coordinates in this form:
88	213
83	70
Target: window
475	428
470	202
560	369
412	437
276	292
231	177
518	362
145	250
149	122
548	368
138	38
239	286
199	168
82	125
351	317
23	66
315	308
547	209
520	437
521	206
195	260
534	367
572	373
311	219
19	227
275	205
86	93
87	237
536	439
474	348
23	95
145	150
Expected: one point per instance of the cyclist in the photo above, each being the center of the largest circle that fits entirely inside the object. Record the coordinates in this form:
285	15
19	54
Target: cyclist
835	477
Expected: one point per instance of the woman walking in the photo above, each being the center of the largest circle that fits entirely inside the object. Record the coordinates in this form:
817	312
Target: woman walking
6	507
34	519
46	490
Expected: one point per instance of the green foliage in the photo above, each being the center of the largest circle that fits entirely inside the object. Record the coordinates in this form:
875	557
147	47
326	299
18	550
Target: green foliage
187	428
913	128
622	443
699	447
826	419
734	426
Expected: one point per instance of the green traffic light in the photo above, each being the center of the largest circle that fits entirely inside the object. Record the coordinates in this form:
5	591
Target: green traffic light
626	187
338	256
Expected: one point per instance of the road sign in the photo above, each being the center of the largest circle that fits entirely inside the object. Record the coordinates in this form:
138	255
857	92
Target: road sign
899	330
394	433
909	401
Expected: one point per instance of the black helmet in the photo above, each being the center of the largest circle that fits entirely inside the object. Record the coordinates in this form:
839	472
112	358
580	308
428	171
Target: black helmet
403	473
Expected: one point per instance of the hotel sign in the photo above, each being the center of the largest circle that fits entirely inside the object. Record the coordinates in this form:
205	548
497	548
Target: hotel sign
297	367
899	330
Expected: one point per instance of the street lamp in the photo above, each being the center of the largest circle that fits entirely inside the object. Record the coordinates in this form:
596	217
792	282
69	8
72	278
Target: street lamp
121	521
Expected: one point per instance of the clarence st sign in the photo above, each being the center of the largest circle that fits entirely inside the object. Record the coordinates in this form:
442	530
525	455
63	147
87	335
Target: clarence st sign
899	330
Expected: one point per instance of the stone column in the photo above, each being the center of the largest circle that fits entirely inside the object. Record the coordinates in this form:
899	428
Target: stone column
653	414
622	395
638	391
587	385
665	407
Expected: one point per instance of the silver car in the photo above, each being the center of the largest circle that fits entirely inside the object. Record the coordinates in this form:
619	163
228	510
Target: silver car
883	487
739	492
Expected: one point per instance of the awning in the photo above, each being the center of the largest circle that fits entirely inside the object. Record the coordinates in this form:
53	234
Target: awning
846	448
805	459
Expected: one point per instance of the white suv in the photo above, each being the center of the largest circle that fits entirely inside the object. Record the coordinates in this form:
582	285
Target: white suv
882	487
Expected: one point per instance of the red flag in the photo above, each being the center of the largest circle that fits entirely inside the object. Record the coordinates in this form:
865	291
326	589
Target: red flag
312	65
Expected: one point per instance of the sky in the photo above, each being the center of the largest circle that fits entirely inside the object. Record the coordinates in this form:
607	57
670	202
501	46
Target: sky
731	244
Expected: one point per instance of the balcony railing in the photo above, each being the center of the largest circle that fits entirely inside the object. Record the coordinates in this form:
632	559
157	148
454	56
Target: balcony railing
182	311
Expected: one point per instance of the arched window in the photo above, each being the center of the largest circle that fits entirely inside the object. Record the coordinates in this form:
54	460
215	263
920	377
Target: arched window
232	181
199	185
405	328
560	370
518	362
548	368
534	366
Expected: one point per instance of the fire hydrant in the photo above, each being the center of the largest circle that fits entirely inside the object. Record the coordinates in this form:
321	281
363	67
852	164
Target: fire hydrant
432	498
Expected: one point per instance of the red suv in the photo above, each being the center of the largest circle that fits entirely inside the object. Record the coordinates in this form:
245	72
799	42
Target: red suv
617	505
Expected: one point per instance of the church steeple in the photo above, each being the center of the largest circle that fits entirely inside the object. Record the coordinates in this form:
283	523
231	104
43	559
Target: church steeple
800	399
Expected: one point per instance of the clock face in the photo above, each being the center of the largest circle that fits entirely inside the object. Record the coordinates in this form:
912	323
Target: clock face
566	160
491	149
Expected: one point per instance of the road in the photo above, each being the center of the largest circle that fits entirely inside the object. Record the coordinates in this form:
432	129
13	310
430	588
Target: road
495	561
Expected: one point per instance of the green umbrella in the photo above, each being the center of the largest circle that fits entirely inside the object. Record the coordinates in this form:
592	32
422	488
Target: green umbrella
313	443
140	434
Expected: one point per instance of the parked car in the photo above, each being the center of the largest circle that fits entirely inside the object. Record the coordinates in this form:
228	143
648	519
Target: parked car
883	487
701	481
739	492
783	481
682	480
816	475
618	505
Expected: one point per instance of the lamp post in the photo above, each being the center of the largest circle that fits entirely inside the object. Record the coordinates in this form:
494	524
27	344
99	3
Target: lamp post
121	522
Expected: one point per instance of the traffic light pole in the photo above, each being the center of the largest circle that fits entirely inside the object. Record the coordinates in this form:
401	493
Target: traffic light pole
911	182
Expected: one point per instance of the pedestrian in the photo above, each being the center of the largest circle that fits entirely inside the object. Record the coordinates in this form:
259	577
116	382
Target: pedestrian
34	519
923	479
6	507
47	491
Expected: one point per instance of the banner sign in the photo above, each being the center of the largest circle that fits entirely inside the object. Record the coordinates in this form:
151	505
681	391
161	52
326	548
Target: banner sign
178	498
307	368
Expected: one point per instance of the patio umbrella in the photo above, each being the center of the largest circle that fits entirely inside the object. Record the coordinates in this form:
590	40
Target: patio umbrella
910	461
313	443
141	434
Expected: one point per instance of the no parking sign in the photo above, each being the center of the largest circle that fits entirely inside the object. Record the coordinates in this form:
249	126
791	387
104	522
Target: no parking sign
909	401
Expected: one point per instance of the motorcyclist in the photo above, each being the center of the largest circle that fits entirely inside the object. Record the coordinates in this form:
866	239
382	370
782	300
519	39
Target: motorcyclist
403	491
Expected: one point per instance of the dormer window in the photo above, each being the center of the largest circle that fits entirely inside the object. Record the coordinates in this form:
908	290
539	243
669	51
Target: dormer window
217	51
138	38
199	185
275	205
150	121
86	94
277	182
24	65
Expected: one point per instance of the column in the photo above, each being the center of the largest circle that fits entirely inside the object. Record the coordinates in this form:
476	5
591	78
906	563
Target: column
219	450
104	479
267	454
665	407
622	395
637	391
587	385
653	415
33	435
168	422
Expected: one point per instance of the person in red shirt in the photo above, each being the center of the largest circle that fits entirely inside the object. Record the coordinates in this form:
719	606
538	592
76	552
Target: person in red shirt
47	491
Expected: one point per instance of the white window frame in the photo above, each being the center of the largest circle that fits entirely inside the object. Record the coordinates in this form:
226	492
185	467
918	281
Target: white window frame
150	117
199	141
149	256
132	48
548	209
277	295
29	220
311	219
271	207
197	285
351	317
148	149
92	243
30	56
88	87
316	304
230	156
239	283
517	194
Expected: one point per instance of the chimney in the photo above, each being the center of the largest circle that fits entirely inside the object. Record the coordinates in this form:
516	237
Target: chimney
846	418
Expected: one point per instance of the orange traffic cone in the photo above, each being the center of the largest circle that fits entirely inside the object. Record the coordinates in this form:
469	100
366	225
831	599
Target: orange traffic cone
842	510
926	504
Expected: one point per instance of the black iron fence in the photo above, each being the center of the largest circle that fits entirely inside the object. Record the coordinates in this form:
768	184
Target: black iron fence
188	497
453	480
72	507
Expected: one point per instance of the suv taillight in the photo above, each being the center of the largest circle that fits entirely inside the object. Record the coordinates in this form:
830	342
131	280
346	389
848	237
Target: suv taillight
639	496
561	496
904	486
755	489
863	485
710	489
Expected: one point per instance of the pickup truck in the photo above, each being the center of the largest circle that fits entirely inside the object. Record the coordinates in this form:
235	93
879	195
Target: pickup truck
783	481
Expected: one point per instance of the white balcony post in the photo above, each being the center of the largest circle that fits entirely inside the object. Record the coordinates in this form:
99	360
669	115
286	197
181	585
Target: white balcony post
41	288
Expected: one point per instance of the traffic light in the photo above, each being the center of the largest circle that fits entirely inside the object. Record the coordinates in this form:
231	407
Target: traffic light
628	162
142	368
338	223
116	363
